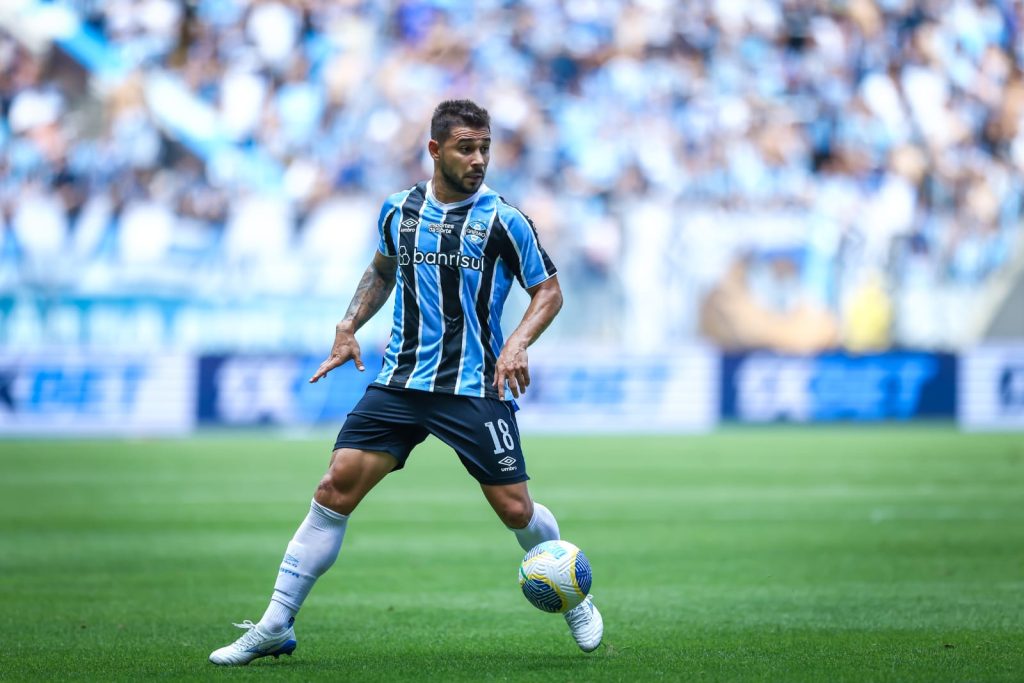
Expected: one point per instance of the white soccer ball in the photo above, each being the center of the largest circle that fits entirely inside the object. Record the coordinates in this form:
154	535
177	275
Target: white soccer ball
555	576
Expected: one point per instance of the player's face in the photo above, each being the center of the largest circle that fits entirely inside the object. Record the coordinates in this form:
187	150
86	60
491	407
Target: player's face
463	158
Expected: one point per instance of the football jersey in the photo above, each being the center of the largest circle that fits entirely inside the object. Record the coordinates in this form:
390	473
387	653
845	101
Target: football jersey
456	264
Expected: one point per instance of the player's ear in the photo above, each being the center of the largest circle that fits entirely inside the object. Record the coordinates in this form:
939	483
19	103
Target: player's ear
434	147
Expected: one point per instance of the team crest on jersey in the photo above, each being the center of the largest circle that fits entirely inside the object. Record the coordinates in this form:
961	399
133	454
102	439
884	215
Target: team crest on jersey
476	232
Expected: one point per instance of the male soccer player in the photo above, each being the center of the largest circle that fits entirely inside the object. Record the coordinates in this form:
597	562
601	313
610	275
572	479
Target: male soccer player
453	246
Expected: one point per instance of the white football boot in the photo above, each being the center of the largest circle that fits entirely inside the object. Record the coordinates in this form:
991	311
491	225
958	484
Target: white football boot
255	643
586	624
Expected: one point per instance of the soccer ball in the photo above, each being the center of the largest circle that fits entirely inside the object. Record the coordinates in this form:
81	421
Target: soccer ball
555	576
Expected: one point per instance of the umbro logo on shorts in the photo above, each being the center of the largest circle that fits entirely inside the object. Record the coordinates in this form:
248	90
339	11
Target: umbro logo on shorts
508	463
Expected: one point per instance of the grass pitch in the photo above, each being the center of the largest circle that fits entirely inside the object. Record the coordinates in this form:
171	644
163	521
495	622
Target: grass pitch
885	554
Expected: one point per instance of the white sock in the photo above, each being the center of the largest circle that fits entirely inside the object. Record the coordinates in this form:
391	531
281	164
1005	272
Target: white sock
311	552
542	527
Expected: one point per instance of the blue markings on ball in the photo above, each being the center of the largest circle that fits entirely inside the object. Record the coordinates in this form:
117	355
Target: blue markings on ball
542	596
583	572
535	551
556	548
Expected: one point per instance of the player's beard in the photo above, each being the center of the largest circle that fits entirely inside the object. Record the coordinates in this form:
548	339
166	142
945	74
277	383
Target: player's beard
458	184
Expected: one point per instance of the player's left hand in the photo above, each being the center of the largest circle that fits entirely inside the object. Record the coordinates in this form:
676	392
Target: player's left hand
513	366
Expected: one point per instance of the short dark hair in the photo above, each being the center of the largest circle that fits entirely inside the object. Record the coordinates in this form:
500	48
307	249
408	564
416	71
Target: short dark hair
452	113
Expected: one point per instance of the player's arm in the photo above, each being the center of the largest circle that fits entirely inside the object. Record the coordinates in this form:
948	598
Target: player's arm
373	290
513	364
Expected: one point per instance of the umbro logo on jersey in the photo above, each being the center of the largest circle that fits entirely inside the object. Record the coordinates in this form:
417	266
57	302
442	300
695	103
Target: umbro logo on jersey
409	224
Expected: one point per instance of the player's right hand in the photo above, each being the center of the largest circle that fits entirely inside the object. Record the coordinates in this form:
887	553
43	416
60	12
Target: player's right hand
345	348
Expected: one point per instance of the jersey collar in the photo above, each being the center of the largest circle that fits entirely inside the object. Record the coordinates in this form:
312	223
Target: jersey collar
454	205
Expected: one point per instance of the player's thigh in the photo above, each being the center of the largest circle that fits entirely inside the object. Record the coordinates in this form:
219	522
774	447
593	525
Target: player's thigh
484	434
384	421
377	438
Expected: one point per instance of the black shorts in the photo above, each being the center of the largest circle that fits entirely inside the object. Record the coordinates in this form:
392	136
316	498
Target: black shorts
483	431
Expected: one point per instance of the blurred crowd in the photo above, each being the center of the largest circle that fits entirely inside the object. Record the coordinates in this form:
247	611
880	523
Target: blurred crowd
855	161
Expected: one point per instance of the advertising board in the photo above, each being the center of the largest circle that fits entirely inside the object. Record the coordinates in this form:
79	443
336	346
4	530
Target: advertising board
587	391
762	387
248	390
73	391
991	391
581	391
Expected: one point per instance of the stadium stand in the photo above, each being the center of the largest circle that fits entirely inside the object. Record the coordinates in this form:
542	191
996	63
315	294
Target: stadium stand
854	167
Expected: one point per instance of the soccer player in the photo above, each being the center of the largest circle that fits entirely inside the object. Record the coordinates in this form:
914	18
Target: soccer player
453	246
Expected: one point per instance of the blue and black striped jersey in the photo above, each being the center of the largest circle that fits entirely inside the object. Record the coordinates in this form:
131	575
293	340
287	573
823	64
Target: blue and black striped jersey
456	263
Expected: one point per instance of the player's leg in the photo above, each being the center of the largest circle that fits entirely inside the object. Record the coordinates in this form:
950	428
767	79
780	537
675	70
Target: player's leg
377	437
317	542
310	553
531	522
485	436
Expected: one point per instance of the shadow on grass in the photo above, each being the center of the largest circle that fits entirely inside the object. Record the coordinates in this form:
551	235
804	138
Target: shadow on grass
420	665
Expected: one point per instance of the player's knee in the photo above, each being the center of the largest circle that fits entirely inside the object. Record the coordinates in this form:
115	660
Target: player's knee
335	489
515	513
341	477
330	483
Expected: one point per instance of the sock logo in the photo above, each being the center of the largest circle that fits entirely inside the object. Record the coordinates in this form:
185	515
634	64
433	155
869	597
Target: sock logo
289	564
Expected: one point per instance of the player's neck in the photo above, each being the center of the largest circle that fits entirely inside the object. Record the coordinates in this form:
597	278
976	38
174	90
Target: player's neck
444	193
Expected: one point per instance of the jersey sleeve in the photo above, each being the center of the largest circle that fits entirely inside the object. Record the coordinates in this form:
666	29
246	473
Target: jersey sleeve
386	241
531	264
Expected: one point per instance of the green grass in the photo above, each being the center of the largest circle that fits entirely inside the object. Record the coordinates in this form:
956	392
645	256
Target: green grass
890	554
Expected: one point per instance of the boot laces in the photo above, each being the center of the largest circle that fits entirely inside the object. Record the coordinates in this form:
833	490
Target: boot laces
251	636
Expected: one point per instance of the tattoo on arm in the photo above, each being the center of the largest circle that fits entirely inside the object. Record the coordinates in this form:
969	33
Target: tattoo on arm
371	293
